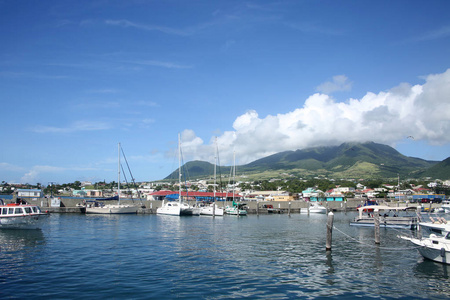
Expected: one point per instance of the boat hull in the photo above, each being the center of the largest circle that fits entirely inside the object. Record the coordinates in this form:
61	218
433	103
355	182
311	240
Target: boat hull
112	209
23	222
389	222
209	211
433	248
235	211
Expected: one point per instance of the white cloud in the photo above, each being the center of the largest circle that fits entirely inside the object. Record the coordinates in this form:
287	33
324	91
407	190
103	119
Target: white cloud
76	126
421	111
339	83
34	174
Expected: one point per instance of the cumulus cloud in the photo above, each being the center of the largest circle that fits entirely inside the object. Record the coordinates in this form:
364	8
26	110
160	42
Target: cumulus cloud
339	83
421	111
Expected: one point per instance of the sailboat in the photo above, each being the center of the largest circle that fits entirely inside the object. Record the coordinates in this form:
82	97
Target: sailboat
177	208
99	208
236	208
213	209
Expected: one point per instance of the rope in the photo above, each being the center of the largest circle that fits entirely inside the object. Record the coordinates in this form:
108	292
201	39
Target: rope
371	245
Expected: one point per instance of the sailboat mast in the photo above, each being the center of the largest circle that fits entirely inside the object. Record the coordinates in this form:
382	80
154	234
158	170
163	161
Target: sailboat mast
234	172
179	168
118	171
215	168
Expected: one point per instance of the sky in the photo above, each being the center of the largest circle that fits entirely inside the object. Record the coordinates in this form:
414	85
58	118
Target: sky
258	77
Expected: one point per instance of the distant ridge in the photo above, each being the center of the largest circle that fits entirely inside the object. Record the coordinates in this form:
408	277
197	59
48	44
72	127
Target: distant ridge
349	160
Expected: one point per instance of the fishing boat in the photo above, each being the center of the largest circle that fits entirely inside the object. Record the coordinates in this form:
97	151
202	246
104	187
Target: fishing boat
21	215
389	217
98	207
435	248
178	208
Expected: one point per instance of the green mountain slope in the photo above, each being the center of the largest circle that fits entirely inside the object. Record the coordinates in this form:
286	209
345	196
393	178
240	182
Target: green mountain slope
349	160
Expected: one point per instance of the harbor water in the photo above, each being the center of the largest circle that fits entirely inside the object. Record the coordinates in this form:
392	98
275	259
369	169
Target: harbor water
76	256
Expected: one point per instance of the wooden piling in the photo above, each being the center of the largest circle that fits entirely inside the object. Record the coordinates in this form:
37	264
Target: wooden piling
289	209
257	208
329	230
376	217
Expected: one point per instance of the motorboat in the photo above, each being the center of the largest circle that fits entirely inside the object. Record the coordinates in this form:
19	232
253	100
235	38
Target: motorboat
446	206
435	248
211	210
315	208
21	216
172	208
436	225
389	217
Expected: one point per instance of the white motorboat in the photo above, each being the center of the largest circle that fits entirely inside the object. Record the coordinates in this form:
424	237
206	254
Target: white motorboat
389	217
446	206
435	248
21	216
315	208
436	225
100	208
211	210
172	208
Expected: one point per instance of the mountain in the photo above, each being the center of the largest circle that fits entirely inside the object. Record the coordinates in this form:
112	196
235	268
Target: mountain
440	170
349	160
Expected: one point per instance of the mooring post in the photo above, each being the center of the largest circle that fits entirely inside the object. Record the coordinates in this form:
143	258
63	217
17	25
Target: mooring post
289	209
419	229
329	230
309	205
257	208
376	218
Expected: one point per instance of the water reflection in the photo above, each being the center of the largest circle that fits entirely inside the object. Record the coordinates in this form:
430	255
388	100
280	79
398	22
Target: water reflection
18	250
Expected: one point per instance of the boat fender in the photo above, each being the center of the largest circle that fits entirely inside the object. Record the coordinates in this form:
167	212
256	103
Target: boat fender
442	252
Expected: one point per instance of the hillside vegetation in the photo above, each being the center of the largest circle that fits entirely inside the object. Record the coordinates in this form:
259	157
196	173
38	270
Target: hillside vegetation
349	160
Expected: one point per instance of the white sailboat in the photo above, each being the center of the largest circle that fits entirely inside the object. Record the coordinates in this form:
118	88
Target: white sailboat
236	208
178	208
213	209
100	208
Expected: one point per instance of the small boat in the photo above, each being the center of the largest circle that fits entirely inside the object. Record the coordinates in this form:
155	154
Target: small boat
389	217
315	208
435	248
172	208
236	209
21	216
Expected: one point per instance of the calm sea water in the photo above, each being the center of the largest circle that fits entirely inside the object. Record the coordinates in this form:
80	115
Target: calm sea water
163	257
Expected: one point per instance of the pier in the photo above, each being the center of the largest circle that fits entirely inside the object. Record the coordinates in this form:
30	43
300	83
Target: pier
72	205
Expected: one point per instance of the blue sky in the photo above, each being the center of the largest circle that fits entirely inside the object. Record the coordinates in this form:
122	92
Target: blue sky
78	77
